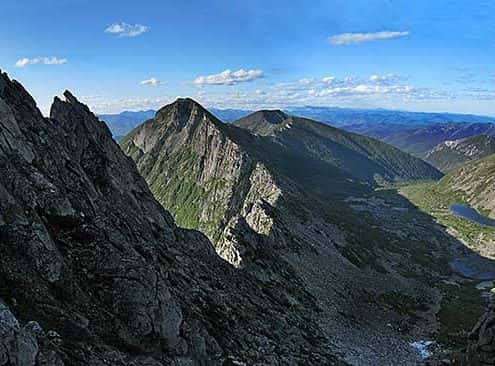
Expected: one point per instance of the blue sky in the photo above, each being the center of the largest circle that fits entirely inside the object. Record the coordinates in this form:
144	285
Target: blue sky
129	55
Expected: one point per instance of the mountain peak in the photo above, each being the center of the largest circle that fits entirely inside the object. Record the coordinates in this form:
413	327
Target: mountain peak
272	116
184	117
262	122
182	107
70	98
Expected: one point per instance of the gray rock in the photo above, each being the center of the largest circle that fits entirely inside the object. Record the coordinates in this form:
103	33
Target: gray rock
90	255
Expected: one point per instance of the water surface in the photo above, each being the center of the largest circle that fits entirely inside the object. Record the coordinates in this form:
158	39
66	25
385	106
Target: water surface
471	214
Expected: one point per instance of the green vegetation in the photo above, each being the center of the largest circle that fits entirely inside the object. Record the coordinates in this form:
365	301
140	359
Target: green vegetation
362	158
175	182
461	307
435	199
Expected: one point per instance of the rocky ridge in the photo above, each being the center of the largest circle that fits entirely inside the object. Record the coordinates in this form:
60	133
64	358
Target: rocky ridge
93	271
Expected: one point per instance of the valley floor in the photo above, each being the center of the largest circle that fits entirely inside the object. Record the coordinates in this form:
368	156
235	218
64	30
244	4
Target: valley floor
473	261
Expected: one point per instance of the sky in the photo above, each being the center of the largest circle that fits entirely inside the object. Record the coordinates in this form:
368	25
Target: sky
419	55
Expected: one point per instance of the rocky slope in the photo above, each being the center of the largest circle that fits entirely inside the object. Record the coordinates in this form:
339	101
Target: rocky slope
481	348
268	199
93	271
451	154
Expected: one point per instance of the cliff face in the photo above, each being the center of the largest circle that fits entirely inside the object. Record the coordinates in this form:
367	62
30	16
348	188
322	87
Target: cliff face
276	207
93	271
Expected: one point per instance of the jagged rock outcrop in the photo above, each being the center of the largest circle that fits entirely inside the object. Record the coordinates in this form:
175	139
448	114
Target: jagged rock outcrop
93	271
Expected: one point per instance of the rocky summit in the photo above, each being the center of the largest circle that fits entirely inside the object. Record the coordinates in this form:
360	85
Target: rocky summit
93	271
291	199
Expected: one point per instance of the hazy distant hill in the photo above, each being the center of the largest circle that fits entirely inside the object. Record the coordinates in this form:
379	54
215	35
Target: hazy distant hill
352	116
420	140
229	115
120	124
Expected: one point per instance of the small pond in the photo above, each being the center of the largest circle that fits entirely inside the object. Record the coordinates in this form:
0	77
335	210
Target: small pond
471	214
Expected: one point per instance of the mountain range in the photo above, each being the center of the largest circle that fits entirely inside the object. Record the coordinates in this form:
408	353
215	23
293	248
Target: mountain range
120	124
296	250
366	120
420	140
352	116
297	196
94	271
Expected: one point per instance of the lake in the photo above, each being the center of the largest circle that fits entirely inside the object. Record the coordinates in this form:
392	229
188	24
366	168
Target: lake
470	213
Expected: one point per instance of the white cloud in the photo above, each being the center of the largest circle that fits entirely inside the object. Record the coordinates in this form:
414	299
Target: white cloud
384	79
151	82
229	77
356	38
126	30
101	104
374	90
328	79
40	60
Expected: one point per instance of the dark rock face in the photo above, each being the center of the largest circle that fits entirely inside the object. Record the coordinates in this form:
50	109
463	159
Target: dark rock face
481	350
93	271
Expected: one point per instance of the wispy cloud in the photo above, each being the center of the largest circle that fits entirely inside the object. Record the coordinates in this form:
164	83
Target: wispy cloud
378	90
151	82
127	30
101	104
229	77
357	38
374	90
386	79
40	60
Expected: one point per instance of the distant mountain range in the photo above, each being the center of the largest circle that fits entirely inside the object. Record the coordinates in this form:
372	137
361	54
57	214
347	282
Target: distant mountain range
420	140
352	116
121	123
364	121
229	115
